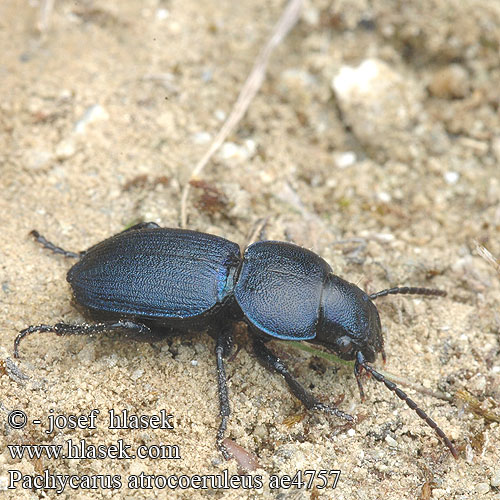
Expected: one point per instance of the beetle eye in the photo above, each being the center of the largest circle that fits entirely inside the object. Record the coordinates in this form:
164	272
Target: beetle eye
344	344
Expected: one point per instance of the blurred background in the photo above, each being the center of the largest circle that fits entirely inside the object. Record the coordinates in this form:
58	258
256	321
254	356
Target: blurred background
374	141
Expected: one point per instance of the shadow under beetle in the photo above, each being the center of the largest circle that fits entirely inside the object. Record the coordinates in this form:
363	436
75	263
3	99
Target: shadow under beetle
152	282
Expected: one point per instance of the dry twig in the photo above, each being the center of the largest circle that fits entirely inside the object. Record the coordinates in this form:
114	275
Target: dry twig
487	256
45	12
250	88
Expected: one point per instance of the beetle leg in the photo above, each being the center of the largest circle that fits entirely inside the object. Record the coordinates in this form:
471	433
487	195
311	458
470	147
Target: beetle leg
82	329
223	345
141	225
77	255
54	248
273	363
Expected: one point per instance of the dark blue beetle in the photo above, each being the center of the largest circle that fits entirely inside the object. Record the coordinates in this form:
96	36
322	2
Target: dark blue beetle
152	282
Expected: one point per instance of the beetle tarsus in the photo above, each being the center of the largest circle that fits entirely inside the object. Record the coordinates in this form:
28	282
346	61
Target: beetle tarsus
220	437
273	363
332	410
62	329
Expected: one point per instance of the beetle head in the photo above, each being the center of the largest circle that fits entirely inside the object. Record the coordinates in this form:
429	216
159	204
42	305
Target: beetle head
349	321
350	326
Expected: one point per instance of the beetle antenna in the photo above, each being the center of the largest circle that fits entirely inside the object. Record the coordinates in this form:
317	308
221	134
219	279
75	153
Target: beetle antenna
361	364
408	290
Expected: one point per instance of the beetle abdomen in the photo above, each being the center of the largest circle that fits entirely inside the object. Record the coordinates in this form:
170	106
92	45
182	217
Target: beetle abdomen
156	273
279	289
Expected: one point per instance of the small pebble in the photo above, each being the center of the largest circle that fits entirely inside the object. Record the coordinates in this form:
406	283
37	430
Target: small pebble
344	159
137	374
87	354
380	105
4	483
357	81
36	160
260	431
65	150
384	196
311	15
111	360
231	151
296	84
482	488
450	82
495	479
391	441
495	147
220	115
451	177
162	14
438	493
247	462
166	120
384	237
477	384
201	138
207	75
92	114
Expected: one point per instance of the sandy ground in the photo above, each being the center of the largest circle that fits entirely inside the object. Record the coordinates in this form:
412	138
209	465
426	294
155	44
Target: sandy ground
103	115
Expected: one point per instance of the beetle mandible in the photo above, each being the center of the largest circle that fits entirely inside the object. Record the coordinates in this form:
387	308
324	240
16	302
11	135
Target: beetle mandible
152	282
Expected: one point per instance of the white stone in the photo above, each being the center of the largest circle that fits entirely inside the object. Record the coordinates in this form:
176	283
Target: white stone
137	374
65	149
92	114
344	159
451	177
201	138
495	479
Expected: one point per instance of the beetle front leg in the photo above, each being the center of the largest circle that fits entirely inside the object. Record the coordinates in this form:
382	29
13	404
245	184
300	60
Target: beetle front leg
224	342
273	363
82	329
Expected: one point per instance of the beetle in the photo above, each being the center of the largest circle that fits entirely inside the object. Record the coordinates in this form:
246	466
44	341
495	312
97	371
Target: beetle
152	282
